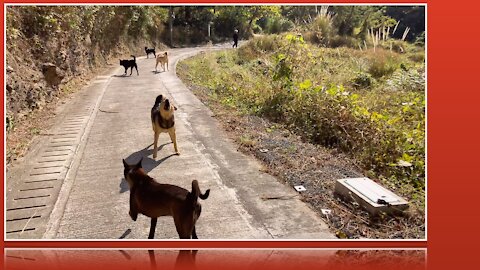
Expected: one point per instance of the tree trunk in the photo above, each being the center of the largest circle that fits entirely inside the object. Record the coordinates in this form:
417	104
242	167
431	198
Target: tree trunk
250	30
170	23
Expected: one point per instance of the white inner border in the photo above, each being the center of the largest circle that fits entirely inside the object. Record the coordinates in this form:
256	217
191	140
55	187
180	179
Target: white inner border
5	5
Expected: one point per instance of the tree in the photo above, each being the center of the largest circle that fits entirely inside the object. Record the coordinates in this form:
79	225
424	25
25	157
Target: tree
299	14
257	12
409	16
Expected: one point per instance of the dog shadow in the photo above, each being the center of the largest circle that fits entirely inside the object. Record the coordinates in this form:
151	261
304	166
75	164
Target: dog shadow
158	72
148	163
121	76
185	259
125	234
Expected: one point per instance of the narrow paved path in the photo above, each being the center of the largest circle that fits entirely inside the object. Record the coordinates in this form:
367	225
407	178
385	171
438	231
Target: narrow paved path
71	185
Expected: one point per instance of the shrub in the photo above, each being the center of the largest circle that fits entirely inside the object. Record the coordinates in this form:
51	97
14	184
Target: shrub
362	80
407	80
320	30
420	40
256	29
278	25
343	41
418	57
382	63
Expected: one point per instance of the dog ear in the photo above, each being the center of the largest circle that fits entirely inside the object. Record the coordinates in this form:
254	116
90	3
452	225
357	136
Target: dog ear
125	163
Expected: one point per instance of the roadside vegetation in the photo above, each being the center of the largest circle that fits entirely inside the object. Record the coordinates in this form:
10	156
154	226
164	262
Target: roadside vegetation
365	97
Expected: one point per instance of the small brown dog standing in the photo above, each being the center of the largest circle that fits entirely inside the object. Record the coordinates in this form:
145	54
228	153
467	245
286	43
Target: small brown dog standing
163	120
153	199
163	60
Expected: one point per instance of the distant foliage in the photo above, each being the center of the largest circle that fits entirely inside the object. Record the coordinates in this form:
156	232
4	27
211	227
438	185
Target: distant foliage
277	25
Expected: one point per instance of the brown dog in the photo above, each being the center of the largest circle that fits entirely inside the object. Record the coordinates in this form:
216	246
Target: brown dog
163	120
163	60
154	200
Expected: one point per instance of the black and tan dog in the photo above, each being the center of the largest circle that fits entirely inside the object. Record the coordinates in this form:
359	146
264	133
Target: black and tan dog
149	51
129	64
163	60
163	120
154	200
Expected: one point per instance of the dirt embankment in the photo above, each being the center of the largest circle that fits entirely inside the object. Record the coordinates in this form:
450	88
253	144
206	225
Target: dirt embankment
47	59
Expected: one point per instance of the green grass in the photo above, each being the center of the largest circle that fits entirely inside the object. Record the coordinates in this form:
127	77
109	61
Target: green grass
370	104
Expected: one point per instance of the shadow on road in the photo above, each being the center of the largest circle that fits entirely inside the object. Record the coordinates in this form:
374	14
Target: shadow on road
125	234
148	163
124	75
157	72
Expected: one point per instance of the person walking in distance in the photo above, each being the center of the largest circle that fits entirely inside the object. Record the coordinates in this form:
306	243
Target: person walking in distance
235	39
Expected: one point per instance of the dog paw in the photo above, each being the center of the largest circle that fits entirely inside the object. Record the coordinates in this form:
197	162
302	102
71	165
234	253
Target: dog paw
177	153
133	216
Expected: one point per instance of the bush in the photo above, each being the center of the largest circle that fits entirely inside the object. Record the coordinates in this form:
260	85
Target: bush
362	80
407	80
278	25
420	40
382	63
418	57
257	29
343	41
263	44
320	31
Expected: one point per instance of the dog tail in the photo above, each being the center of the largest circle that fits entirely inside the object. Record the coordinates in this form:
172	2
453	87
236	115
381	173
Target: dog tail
196	193
133	57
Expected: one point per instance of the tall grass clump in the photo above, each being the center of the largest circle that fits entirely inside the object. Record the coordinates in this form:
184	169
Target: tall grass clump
382	63
321	30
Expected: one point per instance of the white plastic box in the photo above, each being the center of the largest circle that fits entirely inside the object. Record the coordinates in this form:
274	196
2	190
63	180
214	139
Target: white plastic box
370	195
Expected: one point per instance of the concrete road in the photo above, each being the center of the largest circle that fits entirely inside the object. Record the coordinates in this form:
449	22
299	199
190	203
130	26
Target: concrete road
71	185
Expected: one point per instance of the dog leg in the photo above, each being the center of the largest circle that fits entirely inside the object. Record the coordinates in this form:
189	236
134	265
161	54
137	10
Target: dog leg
136	68
156	65
173	137
167	65
182	225
153	225
133	206
194	233
155	141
